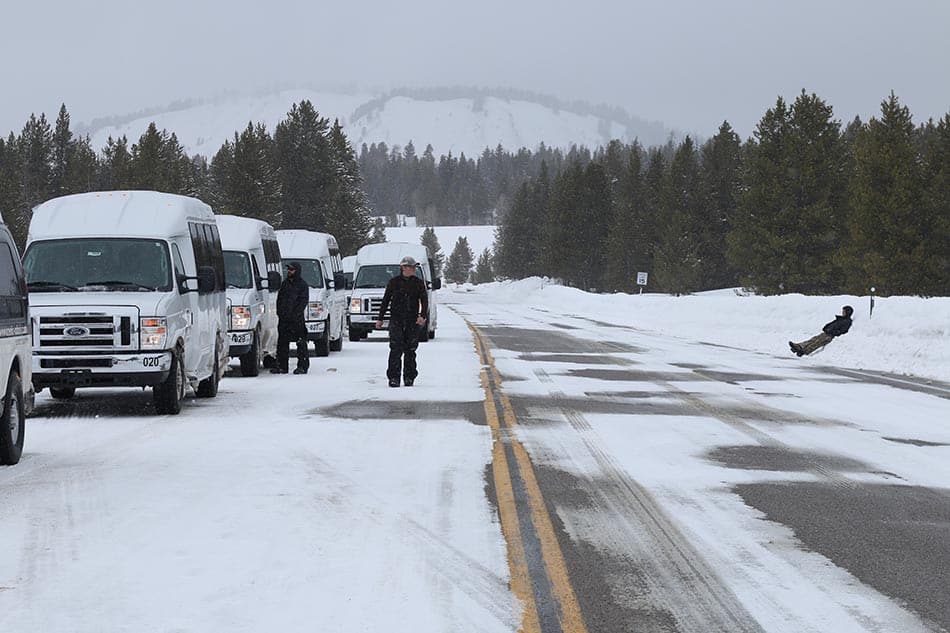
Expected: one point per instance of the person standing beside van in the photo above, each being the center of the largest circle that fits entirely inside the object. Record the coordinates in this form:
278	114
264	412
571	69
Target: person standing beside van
292	299
408	302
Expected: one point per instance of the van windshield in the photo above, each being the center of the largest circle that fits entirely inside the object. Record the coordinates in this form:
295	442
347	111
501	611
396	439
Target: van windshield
310	270
378	275
102	264
237	270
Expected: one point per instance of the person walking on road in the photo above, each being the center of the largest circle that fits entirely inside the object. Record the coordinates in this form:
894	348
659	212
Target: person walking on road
292	300
408	303
839	326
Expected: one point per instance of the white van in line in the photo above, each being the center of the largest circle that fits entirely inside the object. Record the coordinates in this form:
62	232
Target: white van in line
322	269
376	264
15	365
127	289
252	276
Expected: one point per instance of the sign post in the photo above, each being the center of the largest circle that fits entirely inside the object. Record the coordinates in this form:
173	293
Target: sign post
642	280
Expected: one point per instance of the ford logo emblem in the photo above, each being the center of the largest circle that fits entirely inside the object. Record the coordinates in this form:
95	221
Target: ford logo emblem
76	331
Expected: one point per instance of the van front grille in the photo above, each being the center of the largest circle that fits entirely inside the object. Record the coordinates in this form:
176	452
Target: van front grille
98	332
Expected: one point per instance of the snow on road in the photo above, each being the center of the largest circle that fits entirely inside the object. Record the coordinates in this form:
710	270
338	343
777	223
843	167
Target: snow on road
259	511
332	502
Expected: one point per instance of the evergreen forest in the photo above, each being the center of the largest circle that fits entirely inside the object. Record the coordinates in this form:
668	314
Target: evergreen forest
806	205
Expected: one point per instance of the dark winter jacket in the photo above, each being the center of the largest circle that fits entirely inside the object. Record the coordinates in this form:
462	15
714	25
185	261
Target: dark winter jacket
292	299
839	326
407	298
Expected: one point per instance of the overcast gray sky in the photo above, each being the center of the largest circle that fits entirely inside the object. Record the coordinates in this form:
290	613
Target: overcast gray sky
687	63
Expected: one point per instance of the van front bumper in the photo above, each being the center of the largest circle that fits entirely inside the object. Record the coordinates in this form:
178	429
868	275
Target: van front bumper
316	330
141	369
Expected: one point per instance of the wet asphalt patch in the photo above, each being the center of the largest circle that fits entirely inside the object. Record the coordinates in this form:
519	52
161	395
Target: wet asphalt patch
782	459
894	538
474	412
532	341
633	375
913	442
580	359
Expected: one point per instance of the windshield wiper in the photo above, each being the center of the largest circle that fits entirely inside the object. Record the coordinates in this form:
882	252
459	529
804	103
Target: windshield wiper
118	282
51	284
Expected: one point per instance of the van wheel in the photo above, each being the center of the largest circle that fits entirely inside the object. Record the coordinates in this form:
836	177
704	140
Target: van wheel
62	393
423	334
168	395
251	361
354	335
208	388
432	334
12	422
337	345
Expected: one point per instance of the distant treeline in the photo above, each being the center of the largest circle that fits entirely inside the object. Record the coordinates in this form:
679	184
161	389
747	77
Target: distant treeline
805	206
303	176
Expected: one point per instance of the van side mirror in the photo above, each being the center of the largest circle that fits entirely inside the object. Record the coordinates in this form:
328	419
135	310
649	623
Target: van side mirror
349	284
436	283
206	279
273	280
339	281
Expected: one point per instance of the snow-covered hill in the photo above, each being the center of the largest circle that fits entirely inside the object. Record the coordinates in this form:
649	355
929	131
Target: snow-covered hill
452	123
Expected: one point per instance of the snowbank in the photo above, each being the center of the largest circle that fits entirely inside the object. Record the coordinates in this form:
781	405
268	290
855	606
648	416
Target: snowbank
905	335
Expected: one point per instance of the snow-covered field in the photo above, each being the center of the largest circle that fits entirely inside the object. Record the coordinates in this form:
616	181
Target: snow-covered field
904	335
331	502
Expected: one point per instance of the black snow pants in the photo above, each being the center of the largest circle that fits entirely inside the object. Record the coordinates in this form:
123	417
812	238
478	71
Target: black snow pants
403	341
292	331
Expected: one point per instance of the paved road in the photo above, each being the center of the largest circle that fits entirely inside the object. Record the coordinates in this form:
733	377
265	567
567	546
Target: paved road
637	561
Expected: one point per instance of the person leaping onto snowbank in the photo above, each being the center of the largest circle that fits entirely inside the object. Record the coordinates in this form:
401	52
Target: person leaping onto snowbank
839	326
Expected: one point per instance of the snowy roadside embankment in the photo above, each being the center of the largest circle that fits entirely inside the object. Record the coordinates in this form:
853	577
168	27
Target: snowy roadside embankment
905	335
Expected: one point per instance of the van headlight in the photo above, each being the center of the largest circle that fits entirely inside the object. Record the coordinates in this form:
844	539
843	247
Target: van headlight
315	311
153	332
356	305
240	317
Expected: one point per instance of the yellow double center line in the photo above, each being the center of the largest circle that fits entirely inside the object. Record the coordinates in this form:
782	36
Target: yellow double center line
539	575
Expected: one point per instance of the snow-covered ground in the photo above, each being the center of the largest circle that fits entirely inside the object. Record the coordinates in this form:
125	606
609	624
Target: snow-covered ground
904	335
332	502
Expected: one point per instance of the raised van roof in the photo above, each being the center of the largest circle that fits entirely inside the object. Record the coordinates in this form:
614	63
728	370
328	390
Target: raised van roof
242	234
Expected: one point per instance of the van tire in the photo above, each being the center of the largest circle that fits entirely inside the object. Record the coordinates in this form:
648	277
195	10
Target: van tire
62	393
168	395
424	334
208	388
251	360
354	336
337	345
12	422
432	334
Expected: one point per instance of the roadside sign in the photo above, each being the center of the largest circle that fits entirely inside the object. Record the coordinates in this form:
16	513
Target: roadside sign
641	279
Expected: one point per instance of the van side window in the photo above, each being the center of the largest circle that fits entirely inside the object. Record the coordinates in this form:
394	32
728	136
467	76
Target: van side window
11	290
255	269
206	243
271	255
179	266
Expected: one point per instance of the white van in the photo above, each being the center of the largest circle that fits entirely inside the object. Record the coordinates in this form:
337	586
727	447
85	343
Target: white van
322	268
252	276
127	289
376	264
15	367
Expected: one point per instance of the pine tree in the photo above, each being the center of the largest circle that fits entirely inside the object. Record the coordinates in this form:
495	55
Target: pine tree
82	174
431	241
678	257
10	183
305	166
559	234
378	236
147	169
62	149
459	267
721	174
483	269
34	153
116	165
790	224
935	277
347	216
889	226
625	254
247	169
